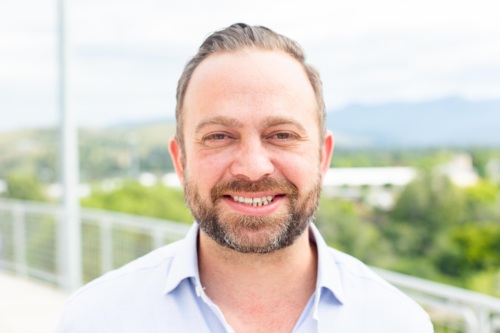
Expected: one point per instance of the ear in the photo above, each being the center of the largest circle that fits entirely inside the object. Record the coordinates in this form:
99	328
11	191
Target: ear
176	154
326	152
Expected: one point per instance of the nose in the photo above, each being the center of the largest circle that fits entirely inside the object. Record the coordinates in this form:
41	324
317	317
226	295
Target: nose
252	161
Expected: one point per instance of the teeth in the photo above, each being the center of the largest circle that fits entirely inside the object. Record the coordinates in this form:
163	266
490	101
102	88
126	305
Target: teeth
255	202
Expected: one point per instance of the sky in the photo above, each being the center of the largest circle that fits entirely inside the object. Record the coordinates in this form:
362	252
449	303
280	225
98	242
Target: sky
125	56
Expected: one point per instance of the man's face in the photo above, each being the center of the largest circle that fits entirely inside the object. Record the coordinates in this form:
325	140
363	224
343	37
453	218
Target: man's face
253	161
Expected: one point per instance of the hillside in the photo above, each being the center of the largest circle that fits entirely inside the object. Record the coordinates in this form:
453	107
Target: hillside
119	151
450	122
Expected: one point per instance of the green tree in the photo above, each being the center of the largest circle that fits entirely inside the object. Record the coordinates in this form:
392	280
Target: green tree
345	225
483	201
133	198
24	187
425	208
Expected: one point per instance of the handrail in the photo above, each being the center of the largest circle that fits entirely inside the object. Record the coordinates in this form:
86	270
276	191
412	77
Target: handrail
448	292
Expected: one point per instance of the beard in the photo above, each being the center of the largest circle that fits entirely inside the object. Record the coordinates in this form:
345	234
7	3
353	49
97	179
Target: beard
254	234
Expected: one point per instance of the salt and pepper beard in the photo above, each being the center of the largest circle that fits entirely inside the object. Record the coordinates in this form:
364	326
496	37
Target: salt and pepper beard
227	228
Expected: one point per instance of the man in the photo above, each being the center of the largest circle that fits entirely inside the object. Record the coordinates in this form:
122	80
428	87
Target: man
251	149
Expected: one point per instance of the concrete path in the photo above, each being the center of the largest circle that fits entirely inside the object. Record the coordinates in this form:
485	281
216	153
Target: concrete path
28	306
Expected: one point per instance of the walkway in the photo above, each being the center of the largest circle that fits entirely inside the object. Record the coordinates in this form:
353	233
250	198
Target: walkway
27	306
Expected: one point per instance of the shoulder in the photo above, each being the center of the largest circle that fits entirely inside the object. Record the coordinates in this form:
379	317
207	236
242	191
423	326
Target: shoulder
376	298
124	290
357	273
159	259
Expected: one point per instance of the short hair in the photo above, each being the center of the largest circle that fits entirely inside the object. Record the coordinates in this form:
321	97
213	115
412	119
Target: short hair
239	36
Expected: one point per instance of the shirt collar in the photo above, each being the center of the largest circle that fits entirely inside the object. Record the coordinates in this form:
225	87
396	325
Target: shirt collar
185	262
329	276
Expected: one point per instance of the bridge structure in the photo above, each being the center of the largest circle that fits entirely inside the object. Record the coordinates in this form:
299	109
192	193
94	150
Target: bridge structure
33	245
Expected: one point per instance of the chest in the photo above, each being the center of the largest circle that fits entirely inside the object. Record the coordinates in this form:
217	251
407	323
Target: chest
263	317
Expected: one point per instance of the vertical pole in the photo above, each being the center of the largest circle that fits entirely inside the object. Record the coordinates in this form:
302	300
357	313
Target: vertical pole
20	240
70	244
106	245
484	320
158	238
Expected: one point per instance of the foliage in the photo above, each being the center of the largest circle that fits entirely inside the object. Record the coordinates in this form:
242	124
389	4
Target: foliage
121	152
24	187
436	231
133	198
346	226
425	208
424	159
483	201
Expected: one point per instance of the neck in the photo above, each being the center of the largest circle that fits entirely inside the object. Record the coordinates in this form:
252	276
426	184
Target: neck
228	273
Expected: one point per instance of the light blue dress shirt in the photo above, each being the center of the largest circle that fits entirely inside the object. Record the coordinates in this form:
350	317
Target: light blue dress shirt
161	292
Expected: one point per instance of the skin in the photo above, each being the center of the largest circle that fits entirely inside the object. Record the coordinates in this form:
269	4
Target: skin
251	114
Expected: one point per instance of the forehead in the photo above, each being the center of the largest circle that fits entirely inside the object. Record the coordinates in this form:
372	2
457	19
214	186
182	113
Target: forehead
249	78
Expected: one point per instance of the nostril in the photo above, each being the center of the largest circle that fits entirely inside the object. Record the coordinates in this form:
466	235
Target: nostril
252	167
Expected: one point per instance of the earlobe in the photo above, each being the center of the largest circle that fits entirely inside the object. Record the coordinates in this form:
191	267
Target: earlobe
176	154
326	152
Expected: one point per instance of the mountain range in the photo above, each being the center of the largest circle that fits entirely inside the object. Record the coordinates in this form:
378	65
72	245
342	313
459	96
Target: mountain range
447	122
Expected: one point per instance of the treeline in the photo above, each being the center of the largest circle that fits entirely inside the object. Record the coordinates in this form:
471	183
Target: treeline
117	152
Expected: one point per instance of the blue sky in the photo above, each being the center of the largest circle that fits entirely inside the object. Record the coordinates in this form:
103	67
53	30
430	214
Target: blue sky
125	56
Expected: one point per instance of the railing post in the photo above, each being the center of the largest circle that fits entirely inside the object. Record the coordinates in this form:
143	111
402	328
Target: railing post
20	242
106	229
61	246
483	316
472	324
158	239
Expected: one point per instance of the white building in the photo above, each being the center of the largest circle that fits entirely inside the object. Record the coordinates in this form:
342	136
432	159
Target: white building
460	170
376	185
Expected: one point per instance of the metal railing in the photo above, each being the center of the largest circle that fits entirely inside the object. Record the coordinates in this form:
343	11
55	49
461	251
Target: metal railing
30	246
456	309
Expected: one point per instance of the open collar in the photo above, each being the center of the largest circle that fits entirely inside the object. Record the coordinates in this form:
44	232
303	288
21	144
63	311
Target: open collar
185	265
329	277
185	262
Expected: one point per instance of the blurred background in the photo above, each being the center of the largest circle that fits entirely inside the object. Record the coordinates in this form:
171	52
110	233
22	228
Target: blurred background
412	90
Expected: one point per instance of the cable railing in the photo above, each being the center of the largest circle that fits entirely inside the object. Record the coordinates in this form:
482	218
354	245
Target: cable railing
31	245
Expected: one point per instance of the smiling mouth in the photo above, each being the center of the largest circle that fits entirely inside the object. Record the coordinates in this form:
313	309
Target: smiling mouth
255	202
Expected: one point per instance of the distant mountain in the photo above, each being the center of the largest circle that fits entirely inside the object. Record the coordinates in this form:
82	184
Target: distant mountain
449	122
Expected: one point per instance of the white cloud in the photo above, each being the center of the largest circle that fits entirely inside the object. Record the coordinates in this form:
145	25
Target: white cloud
126	55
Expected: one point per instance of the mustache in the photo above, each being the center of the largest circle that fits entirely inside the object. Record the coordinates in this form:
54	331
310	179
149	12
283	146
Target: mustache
281	186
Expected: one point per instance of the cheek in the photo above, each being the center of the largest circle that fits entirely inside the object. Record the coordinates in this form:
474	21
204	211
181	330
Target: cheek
302	170
206	169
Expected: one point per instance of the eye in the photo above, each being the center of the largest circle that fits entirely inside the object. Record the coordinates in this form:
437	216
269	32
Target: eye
283	136
216	139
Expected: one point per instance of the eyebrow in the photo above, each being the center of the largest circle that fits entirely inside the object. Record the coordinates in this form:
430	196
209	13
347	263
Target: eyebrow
276	121
235	123
220	120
